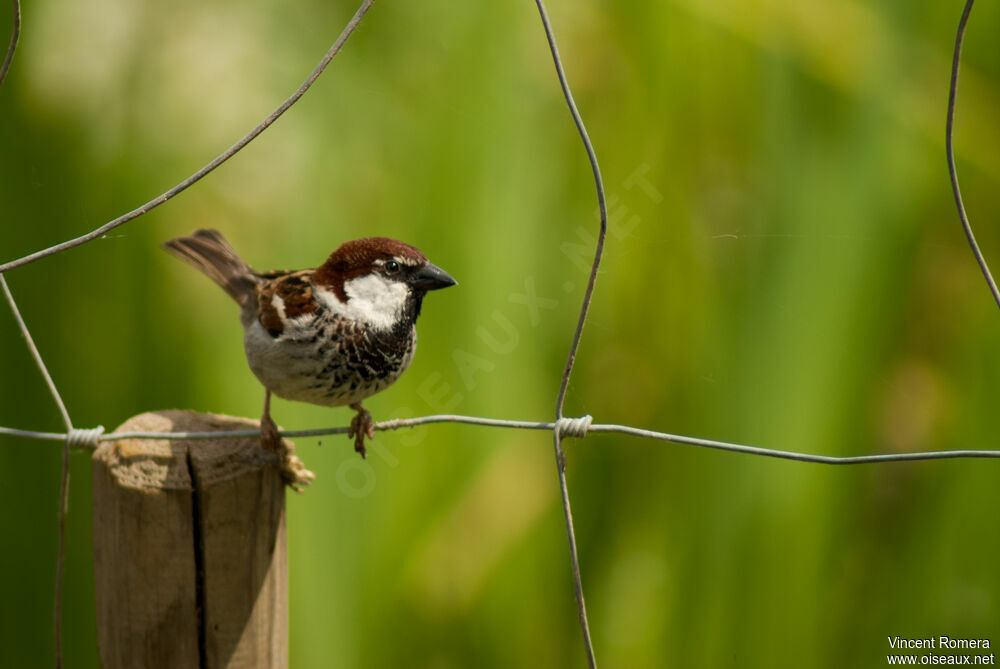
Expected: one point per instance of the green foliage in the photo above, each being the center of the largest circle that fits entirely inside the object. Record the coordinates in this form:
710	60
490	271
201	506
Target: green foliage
785	268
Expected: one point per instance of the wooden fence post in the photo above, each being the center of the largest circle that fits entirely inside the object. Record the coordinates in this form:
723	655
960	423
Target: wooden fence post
189	548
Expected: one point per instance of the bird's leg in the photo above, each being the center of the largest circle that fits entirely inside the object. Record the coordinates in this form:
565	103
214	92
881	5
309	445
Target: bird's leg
270	438
361	425
292	470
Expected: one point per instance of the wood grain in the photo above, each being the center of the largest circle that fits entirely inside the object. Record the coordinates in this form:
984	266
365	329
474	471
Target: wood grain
189	548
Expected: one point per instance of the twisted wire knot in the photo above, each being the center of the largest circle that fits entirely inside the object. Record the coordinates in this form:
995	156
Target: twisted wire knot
574	427
89	438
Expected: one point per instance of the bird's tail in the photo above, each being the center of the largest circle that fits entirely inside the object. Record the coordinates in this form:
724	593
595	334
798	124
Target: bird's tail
209	251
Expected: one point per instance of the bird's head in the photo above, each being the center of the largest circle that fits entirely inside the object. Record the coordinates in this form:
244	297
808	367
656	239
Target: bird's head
379	281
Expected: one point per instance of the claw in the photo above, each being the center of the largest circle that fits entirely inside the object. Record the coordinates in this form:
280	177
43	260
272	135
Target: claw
270	437
293	471
361	425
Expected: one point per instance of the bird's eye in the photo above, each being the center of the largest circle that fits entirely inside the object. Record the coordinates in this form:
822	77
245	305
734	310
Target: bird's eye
391	267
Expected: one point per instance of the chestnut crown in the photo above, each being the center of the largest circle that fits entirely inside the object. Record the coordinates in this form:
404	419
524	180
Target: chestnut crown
393	260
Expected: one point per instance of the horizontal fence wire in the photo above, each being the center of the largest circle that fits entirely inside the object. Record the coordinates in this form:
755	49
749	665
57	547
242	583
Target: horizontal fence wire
561	428
564	428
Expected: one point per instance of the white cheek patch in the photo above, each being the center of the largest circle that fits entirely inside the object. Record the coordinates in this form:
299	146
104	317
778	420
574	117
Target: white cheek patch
371	299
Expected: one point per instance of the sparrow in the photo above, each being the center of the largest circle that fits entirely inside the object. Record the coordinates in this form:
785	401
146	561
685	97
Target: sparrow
332	336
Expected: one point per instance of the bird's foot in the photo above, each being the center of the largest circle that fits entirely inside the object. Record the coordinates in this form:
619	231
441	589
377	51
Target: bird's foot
291	468
361	425
270	437
293	471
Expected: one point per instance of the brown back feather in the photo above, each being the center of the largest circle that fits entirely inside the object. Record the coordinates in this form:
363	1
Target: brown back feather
296	293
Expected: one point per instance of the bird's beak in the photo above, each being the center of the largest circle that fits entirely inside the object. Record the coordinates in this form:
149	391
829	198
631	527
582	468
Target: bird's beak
431	277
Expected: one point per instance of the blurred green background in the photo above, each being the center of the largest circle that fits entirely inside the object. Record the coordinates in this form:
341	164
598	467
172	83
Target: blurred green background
784	268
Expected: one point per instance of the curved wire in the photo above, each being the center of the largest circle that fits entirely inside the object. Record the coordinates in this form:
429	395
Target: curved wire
950	149
577	333
207	169
14	34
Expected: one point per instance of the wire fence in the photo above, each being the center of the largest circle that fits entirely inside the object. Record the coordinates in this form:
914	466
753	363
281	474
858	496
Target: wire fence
90	439
561	428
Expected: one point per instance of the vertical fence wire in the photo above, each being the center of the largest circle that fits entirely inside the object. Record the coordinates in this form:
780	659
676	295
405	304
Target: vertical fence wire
577	333
64	474
950	149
